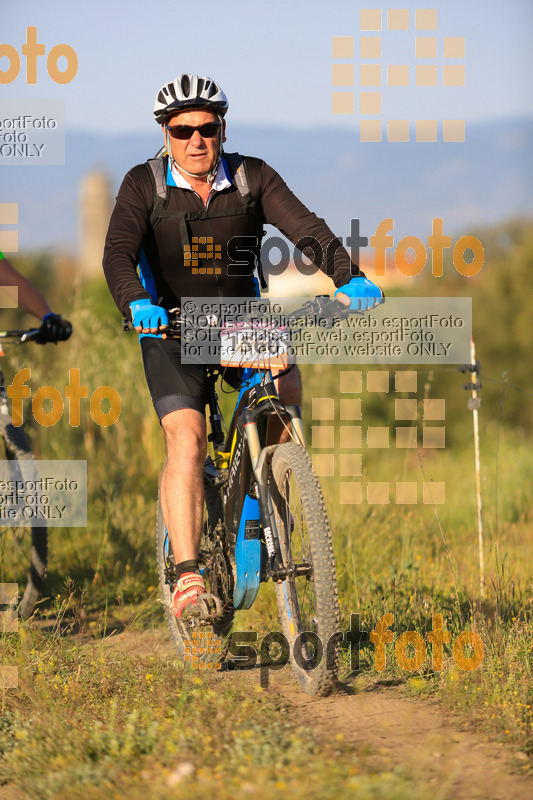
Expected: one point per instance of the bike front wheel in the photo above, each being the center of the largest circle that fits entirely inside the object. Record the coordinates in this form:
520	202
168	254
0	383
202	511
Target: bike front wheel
307	598
23	548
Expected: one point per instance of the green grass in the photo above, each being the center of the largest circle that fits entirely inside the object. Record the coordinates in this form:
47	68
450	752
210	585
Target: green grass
83	724
416	561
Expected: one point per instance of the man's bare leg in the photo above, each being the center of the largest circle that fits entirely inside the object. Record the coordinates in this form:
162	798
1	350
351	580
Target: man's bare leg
182	489
289	388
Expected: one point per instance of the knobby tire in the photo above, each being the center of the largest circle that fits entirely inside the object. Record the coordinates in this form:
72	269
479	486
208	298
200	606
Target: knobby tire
306	603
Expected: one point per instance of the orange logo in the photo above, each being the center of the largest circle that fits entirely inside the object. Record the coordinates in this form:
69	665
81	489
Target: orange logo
193	254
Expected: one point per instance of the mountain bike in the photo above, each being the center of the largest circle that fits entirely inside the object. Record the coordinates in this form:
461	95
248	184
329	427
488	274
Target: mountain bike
264	520
23	549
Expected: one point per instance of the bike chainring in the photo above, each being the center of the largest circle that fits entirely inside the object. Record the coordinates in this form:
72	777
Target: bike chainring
221	577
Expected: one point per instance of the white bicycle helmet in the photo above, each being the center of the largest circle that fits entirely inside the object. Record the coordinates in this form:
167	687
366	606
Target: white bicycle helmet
189	91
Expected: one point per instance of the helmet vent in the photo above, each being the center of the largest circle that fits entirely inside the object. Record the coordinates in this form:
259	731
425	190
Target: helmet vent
189	91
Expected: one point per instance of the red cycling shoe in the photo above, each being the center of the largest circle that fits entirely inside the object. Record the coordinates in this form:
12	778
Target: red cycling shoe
185	595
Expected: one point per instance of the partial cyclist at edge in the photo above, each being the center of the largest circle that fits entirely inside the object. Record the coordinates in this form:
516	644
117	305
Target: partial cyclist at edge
53	327
15	445
208	193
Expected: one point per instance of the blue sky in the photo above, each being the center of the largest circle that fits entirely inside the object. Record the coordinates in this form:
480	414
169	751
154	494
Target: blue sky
272	59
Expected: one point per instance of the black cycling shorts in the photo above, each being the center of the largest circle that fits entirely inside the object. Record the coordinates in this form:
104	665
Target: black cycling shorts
174	385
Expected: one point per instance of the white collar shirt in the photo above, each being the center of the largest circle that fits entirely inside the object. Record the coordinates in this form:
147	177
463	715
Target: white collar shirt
221	179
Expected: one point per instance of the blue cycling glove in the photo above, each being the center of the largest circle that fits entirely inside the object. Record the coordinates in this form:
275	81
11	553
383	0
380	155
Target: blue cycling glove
147	316
363	294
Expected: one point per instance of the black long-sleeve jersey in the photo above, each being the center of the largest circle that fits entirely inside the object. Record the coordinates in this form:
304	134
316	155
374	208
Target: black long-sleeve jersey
228	241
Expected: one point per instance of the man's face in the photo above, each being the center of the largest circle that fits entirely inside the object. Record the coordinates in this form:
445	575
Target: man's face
198	154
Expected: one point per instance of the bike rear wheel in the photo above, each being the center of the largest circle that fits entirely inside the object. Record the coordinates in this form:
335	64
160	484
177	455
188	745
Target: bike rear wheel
23	549
308	603
202	647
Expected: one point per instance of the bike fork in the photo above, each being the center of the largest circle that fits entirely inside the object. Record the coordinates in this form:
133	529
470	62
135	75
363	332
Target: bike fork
258	457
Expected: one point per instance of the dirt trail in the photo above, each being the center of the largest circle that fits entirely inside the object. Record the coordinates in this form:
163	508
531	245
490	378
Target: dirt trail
387	730
383	729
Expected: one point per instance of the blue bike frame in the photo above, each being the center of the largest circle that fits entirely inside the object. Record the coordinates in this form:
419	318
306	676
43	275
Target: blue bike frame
256	549
249	549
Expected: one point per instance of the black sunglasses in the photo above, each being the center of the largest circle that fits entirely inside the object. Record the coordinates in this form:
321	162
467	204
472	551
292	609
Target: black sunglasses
206	131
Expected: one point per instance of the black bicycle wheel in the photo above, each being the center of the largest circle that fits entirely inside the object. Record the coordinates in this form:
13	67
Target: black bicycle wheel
23	549
203	646
307	602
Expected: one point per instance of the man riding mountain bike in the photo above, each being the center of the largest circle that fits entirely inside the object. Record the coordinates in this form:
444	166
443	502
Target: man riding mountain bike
197	190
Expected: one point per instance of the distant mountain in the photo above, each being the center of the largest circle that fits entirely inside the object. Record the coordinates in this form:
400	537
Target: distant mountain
484	179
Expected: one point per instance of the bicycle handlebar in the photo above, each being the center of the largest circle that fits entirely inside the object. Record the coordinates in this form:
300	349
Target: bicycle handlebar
325	310
20	336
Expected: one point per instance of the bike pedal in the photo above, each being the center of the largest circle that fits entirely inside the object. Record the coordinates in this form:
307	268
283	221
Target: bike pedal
195	622
206	611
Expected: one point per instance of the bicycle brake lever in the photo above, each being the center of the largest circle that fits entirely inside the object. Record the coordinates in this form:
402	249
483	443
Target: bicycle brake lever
28	336
331	310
